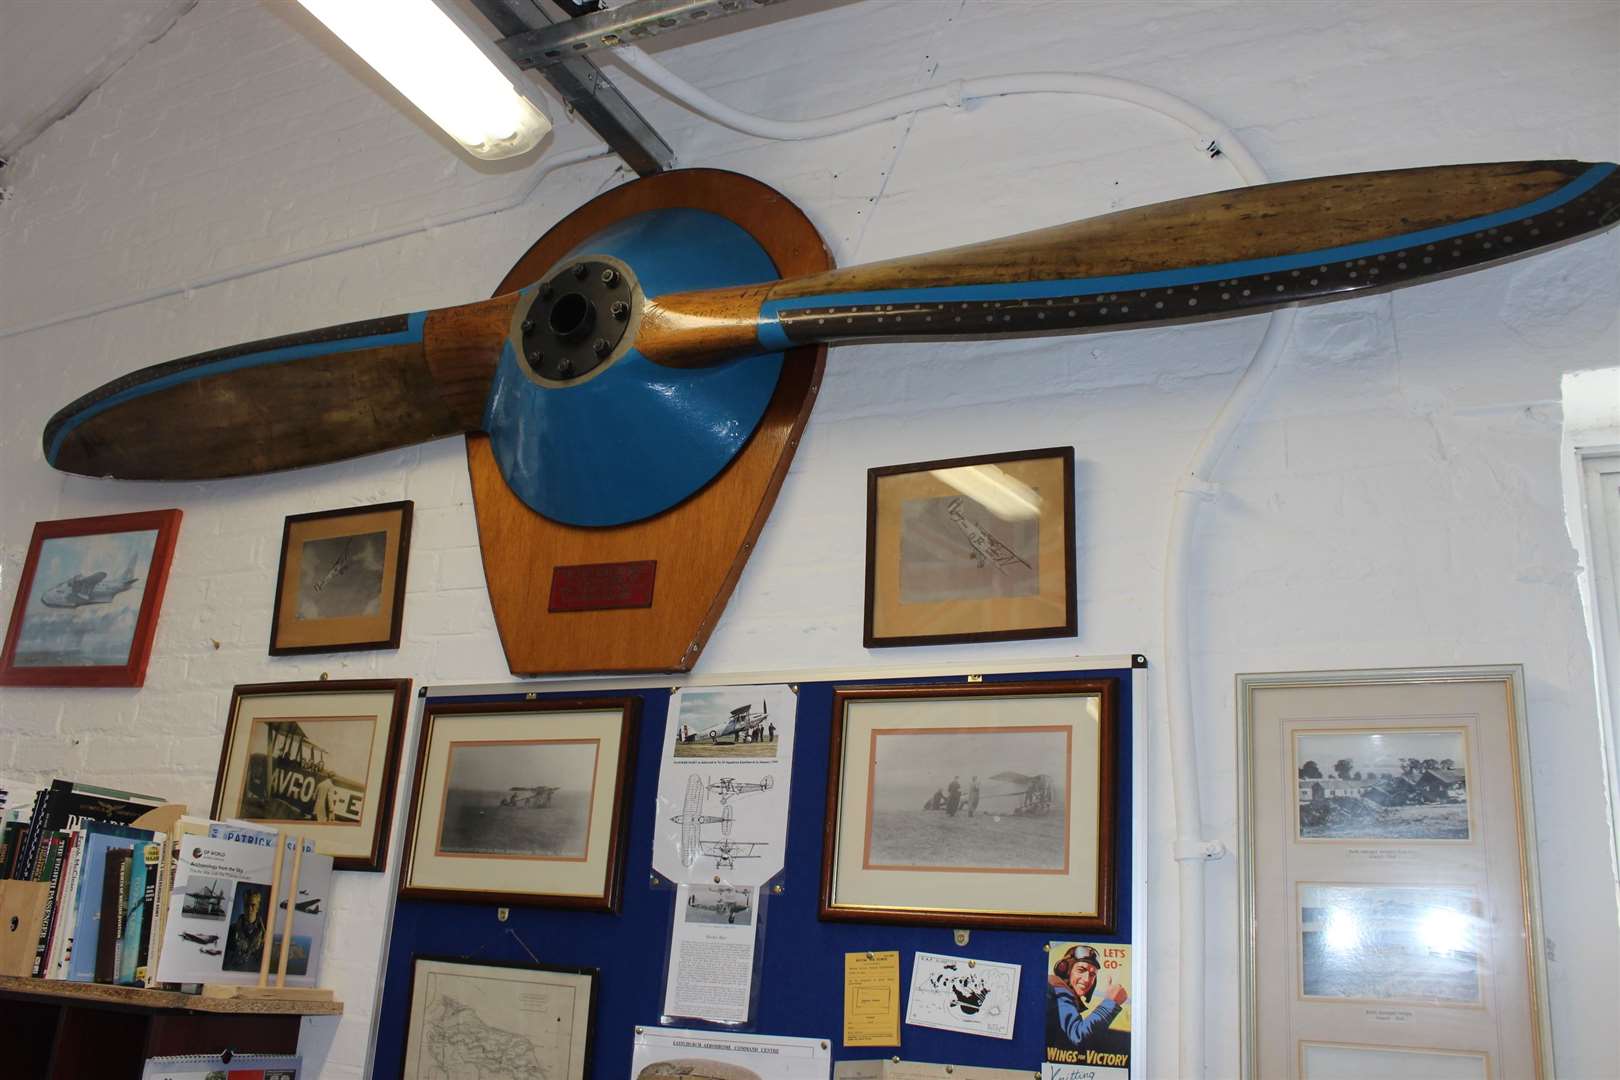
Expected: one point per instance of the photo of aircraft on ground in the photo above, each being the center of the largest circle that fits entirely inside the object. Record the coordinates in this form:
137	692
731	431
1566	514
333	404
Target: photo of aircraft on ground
723	784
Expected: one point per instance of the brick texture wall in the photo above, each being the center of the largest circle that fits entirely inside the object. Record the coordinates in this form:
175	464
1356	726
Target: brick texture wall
1393	500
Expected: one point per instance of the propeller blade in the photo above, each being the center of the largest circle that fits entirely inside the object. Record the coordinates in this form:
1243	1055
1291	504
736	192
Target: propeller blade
1209	256
286	402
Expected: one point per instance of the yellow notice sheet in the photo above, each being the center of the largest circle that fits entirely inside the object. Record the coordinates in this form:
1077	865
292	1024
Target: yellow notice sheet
872	999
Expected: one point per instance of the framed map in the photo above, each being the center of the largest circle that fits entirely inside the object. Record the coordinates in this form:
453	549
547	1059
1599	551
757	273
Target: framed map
523	1021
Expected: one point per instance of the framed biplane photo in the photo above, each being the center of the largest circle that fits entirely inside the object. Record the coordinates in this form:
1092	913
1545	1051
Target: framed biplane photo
971	549
521	802
341	581
973	804
316	758
88	599
1390	923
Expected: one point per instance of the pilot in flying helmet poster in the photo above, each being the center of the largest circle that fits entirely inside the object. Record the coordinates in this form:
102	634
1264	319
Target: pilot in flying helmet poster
1088	1011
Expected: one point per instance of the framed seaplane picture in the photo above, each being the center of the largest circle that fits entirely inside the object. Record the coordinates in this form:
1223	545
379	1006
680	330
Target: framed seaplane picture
521	802
971	549
316	758
973	804
88	599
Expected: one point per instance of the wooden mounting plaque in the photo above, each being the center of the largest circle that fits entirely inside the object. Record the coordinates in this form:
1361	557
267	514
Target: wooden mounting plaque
699	546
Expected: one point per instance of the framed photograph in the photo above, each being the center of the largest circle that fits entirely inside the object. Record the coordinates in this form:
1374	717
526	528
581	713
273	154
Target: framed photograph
521	802
319	758
1390	899
490	1018
341	584
88	599
971	549
972	805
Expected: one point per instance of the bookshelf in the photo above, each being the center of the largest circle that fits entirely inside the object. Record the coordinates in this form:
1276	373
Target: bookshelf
55	1030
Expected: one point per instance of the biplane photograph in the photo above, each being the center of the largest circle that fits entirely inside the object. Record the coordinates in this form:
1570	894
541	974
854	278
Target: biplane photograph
308	769
321	757
954	547
712	905
968	798
521	799
716	725
971	549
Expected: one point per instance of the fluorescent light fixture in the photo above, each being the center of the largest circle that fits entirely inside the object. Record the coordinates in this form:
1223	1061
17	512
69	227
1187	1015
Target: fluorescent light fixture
434	55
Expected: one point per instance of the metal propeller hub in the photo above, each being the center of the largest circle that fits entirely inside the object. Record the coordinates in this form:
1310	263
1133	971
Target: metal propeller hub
578	319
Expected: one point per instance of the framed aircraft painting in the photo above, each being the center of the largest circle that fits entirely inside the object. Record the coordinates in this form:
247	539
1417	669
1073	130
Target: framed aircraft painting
316	758
521	802
971	549
972	804
88	599
341	582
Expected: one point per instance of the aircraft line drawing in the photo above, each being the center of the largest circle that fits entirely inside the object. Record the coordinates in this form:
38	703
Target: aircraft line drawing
727	788
986	548
725	853
81	590
691	819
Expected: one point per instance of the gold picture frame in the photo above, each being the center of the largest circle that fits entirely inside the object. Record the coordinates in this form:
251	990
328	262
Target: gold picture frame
340	584
521	802
1023	794
971	549
319	758
1390	903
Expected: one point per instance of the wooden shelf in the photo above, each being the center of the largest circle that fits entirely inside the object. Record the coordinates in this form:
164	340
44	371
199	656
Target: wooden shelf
138	998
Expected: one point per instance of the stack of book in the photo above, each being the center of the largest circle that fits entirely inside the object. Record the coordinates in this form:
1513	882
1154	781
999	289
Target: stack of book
101	877
140	907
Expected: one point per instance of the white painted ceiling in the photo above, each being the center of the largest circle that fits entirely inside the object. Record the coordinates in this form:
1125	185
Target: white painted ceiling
53	53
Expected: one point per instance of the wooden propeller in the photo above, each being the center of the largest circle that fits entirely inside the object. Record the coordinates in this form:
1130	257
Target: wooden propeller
656	331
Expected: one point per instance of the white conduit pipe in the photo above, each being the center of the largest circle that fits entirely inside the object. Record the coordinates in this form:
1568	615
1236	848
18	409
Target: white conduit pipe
547	167
1192	850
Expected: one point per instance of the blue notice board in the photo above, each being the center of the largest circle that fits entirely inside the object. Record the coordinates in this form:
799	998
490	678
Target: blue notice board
799	988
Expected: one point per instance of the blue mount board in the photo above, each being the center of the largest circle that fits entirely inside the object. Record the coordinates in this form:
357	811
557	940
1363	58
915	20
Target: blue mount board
801	988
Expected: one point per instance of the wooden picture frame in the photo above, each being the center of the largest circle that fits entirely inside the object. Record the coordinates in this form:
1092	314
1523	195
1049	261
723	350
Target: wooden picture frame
971	549
499	812
1390	904
88	599
1035	850
340	584
524	996
318	758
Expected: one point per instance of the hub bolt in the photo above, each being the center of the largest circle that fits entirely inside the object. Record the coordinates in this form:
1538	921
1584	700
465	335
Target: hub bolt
528	326
610	277
580	270
600	346
621	310
565	367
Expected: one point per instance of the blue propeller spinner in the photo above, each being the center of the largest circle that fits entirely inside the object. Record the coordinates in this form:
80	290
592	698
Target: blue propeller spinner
588	431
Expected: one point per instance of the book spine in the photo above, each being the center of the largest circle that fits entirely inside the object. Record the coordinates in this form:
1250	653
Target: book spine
50	871
160	913
143	950
62	941
37	833
110	917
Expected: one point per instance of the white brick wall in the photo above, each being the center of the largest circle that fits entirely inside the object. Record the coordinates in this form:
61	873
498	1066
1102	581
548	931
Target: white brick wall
1394	500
